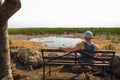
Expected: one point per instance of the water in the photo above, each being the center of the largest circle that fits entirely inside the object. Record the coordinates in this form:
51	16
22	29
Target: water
56	42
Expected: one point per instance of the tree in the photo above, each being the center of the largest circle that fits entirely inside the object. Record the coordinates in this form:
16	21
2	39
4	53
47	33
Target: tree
7	9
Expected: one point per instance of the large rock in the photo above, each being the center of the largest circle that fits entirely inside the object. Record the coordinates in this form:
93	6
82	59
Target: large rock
29	57
116	65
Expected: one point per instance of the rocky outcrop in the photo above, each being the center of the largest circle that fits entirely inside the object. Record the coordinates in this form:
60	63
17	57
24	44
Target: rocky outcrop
29	57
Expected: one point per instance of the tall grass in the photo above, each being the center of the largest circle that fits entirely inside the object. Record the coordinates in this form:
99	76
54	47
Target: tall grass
111	46
42	31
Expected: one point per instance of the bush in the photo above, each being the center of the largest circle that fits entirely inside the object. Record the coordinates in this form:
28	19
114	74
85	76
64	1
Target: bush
10	42
111	46
115	40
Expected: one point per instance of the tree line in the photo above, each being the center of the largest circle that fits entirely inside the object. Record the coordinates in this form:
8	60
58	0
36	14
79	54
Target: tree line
43	31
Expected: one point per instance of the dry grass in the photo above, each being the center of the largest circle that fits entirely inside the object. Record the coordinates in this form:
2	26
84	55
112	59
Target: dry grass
27	44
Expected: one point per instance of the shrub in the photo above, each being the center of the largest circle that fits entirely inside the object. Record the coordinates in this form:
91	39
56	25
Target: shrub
111	46
10	42
115	40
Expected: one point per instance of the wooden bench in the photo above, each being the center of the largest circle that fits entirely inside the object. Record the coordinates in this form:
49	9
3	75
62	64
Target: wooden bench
72	59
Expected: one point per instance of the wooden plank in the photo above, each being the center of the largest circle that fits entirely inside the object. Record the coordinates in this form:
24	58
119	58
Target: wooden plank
80	64
101	65
68	61
50	63
52	50
103	58
62	61
97	51
81	58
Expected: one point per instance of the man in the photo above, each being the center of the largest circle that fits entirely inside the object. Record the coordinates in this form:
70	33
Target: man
84	45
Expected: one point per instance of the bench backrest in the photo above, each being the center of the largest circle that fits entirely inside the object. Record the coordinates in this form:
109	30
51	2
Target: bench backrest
72	58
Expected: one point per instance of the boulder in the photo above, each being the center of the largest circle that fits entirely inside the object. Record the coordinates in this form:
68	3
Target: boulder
29	57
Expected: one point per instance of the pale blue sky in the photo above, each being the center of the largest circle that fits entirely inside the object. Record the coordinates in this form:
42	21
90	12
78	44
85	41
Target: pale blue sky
67	13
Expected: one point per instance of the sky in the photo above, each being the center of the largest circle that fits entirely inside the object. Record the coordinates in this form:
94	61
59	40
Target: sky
67	13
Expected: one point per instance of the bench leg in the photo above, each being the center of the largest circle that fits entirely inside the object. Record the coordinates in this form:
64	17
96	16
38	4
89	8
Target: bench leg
43	71
49	70
102	73
86	75
111	73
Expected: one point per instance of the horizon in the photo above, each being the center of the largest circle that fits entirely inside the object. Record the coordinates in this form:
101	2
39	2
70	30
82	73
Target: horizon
60	27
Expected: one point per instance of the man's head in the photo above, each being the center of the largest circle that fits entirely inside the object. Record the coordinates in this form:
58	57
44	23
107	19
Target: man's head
88	34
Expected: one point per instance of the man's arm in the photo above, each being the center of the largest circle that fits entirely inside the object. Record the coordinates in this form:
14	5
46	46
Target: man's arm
71	49
97	48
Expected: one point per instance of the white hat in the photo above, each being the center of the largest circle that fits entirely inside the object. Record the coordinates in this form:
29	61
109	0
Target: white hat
88	34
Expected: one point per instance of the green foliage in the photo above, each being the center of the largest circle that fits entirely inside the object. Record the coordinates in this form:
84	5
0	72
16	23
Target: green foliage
10	42
43	31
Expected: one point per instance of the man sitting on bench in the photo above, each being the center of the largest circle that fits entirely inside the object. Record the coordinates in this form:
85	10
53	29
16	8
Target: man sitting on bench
84	45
